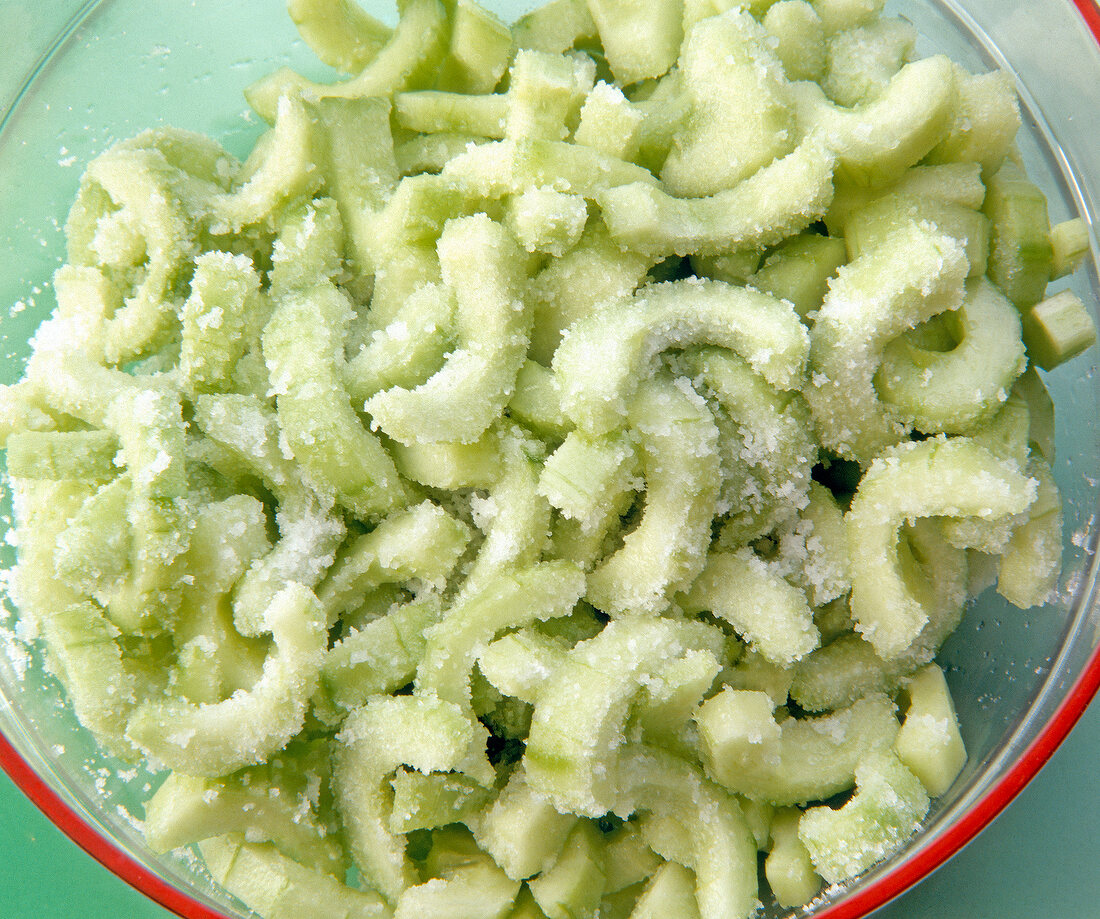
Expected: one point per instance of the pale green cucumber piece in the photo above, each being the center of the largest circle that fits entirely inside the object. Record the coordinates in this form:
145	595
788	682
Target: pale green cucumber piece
868	227
408	60
479	51
799	271
387	732
1029	569
22	410
779	200
570	539
451	466
74	384
950	183
547	221
85	455
679	462
788	867
423	543
582	475
758	815
525	906
604	358
510	167
1057	329
214	740
514	517
929	743
379	657
92	551
256	803
958	390
356	155
767	444
641	40
249	430
986	119
476	891
594	273
434	112
536	403
215	318
1033	390
741	119
750	671
935	477
847	14
545	94
309	249
278	887
1020	252
915	274
279	170
800	38
83	650
813	549
150	431
886	810
665	109
746	751
577	727
431	152
723	847
770	614
460	401
408	349
337	453
522	831
42	509
555	26
572	887
627	859
662	714
509	600
848	668
874	143
670	892
610	123
406	232
733	267
340	32
423	802
519	663
1070	242
863	60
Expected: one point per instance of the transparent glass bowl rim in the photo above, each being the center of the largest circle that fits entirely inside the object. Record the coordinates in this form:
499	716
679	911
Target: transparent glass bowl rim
862	902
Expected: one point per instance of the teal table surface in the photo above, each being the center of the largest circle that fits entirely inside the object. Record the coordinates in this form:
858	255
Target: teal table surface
1039	859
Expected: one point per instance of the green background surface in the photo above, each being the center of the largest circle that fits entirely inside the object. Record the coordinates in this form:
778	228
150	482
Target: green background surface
1040	858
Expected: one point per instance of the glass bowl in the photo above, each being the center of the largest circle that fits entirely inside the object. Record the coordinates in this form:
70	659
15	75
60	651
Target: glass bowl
83	74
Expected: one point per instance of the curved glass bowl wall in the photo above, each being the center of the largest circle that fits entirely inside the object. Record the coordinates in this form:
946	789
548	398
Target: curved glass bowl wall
86	74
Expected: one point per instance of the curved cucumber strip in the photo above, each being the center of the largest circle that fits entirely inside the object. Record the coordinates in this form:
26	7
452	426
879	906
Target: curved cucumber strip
770	614
678	446
915	274
1028	572
876	142
722	845
278	887
954	392
640	40
604	357
772	445
214	740
422	543
407	61
460	401
777	201
795	761
424	732
929	743
339	455
582	709
788	868
888	806
424	802
451	466
543	591
55	455
954	478
741	118
340	32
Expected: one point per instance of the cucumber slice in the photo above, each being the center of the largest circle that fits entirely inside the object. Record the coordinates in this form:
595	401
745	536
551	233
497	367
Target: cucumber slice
1058	329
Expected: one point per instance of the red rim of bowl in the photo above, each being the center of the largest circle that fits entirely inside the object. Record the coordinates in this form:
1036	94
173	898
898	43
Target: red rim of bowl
891	885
